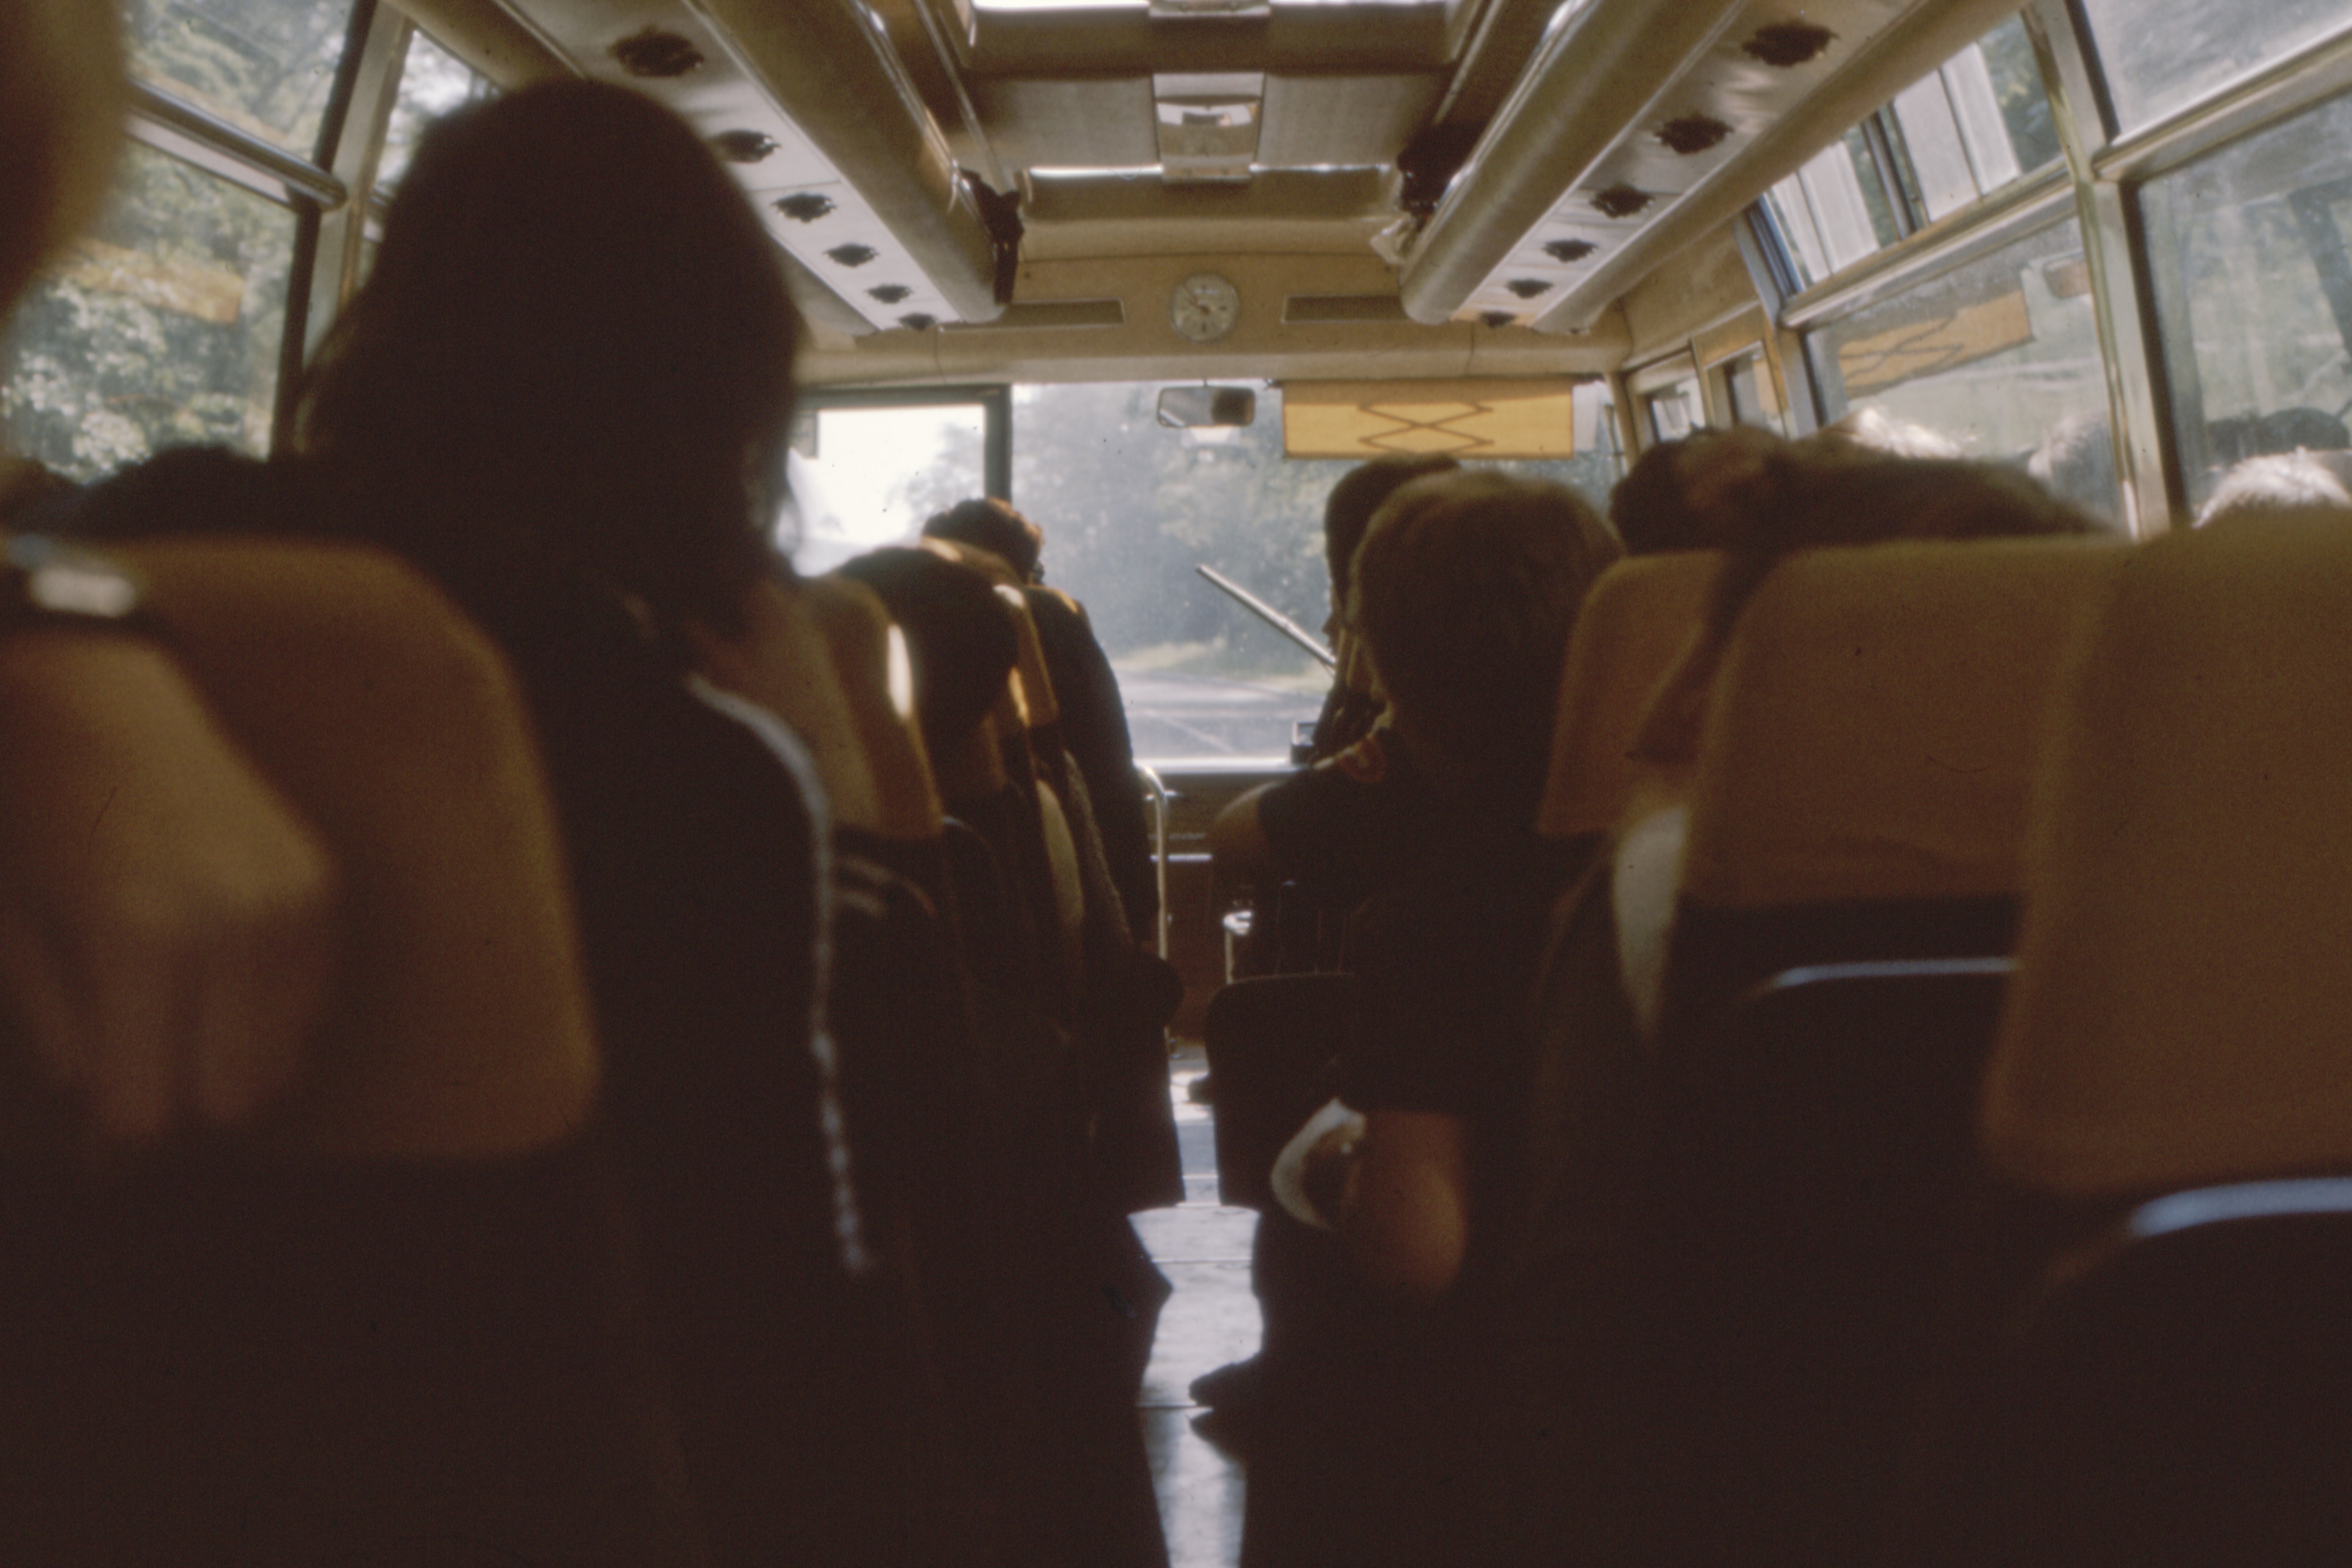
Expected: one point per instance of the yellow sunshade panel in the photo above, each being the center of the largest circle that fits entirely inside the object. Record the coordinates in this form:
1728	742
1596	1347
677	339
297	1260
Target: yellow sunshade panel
1490	419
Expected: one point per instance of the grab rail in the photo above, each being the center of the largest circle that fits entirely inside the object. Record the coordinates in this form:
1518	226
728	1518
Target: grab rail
1158	790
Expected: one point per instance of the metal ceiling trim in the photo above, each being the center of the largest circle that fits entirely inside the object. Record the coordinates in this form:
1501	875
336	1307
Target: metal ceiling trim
1906	49
1600	73
830	68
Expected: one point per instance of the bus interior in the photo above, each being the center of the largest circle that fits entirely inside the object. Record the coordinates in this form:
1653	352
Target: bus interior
1158	272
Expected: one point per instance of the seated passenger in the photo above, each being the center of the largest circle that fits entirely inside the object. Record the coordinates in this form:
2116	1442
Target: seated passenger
556	395
1467	590
1353	702
1086	691
1808	496
1872	430
166	924
1684	495
2295	481
1328	827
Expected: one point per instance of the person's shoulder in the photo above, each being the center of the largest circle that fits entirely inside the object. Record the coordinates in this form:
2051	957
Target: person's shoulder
186	491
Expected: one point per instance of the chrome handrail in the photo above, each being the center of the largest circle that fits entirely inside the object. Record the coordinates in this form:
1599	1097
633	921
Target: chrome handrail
1158	790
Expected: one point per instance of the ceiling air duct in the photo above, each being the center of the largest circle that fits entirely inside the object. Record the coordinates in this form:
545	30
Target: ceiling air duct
809	104
1601	71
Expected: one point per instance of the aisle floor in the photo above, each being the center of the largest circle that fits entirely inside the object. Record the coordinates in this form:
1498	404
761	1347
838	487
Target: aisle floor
1203	1247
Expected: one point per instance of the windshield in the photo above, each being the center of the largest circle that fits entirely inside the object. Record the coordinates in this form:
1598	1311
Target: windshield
1129	510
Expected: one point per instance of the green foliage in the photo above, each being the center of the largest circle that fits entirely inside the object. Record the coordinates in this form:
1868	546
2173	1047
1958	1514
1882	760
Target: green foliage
118	355
1129	509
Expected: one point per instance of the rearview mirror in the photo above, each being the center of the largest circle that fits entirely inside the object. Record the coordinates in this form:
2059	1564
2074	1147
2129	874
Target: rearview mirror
1207	407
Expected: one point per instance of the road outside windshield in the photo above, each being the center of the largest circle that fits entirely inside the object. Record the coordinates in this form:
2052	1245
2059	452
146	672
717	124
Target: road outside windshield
1129	510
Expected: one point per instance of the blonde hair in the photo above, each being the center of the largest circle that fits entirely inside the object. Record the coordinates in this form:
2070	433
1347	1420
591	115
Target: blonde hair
61	100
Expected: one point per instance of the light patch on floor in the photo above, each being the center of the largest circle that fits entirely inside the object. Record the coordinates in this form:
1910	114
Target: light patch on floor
1212	1319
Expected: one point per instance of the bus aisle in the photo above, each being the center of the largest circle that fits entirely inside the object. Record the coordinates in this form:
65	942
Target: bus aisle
1203	1247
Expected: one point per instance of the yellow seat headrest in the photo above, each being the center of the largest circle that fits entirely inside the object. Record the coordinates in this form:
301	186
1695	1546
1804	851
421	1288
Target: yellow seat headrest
1873	727
2185	964
1632	626
461	1026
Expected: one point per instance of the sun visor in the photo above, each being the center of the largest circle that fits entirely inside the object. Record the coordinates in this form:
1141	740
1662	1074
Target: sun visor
1534	417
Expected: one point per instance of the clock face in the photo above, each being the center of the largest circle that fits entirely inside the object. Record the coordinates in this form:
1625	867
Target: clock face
1205	307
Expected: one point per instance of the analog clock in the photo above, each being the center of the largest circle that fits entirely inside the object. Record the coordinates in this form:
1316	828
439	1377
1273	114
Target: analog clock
1205	307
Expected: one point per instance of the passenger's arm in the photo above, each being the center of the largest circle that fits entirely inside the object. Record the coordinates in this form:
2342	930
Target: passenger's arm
1237	841
167	924
1395	1184
1406	1220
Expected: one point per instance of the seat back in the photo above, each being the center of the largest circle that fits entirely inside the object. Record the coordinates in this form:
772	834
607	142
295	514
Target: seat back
461	1027
818	654
1865	766
1270	1043
2186	968
1633	626
397	1309
2179	1393
1811	1173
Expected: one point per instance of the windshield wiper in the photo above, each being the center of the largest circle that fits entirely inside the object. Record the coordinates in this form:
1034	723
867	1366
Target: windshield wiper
1271	616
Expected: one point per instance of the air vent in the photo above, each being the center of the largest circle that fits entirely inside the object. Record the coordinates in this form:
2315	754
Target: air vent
744	146
657	54
851	255
889	293
1528	288
1567	250
916	322
1788	44
1497	317
1317	310
1692	133
1621	201
805	206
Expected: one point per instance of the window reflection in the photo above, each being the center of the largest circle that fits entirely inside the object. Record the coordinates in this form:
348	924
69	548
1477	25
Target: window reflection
2253	282
2000	355
160	328
2157	56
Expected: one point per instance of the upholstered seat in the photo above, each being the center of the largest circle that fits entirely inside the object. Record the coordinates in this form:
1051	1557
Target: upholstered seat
2184	971
461	1026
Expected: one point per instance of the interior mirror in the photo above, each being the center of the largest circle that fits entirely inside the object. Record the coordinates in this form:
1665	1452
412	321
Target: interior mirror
1206	408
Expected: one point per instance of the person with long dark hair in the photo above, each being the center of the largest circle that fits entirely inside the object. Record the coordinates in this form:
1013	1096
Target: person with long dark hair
564	393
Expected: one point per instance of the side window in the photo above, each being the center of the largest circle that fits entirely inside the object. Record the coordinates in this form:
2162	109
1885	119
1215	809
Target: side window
2157	56
159	328
433	81
1978	122
1748	391
2247	250
2000	355
267	67
1674	410
1981	121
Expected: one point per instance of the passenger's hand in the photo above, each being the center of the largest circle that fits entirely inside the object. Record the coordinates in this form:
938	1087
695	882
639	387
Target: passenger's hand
168	925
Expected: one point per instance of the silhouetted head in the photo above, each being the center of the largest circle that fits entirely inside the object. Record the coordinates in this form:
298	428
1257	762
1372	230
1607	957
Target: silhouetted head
961	641
1674	495
1808	497
2310	483
575	343
1466	589
61	100
1874	430
1347	511
987	523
